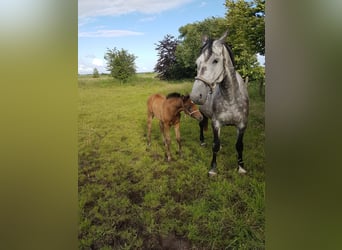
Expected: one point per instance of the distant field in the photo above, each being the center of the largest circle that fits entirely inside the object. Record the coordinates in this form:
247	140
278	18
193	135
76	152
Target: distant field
131	198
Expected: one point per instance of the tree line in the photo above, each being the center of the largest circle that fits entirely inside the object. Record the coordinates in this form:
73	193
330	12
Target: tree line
245	22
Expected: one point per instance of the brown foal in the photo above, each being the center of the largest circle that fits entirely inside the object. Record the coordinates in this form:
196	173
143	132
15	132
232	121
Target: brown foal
167	110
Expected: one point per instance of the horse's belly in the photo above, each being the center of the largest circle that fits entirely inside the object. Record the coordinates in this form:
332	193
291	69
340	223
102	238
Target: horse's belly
232	118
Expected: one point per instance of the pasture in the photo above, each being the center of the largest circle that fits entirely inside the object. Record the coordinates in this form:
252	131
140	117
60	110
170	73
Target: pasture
131	198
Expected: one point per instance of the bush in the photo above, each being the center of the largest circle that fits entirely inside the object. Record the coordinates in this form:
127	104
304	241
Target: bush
120	64
96	73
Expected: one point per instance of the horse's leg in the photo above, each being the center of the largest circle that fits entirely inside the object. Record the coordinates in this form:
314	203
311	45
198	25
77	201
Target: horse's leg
149	125
203	124
178	138
216	149
165	130
239	149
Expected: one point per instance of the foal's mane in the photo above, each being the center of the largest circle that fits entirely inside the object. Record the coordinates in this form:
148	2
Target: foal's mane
208	45
173	95
177	95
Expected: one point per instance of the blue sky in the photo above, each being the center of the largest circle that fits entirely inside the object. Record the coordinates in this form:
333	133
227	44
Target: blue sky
134	25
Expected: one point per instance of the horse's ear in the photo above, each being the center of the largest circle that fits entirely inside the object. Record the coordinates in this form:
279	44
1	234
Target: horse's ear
205	38
223	37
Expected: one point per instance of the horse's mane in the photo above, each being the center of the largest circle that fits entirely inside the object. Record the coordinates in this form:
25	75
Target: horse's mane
173	95
208	45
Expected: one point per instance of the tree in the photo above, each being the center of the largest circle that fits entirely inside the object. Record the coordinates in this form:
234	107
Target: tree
165	66
246	25
96	73
120	63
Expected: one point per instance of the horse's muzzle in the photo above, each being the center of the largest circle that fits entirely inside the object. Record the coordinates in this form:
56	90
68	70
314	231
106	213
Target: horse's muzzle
199	92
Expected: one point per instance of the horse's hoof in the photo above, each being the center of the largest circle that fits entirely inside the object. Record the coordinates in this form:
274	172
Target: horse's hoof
241	170
212	172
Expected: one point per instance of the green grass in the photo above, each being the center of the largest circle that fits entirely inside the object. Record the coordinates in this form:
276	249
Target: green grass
130	198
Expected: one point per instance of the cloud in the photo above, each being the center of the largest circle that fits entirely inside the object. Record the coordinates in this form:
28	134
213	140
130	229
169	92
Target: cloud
85	20
85	69
148	19
88	67
203	4
91	8
109	33
97	62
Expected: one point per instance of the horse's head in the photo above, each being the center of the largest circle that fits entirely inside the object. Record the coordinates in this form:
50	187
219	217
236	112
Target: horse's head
191	108
211	68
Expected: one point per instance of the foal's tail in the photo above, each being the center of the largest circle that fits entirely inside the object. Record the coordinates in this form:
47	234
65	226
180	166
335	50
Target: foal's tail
150	105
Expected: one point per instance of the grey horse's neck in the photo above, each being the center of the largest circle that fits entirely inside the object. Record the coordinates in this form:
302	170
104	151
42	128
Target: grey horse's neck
230	85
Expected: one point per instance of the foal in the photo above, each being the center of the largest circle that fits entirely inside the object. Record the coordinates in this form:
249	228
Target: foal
167	110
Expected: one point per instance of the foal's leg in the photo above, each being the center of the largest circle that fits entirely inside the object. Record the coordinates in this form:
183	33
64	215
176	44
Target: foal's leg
239	149
216	149
149	125
161	126
178	138
165	130
203	124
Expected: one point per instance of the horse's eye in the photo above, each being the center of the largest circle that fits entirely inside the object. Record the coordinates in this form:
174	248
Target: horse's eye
215	61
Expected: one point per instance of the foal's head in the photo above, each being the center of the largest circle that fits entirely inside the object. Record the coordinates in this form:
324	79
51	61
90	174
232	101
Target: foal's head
189	107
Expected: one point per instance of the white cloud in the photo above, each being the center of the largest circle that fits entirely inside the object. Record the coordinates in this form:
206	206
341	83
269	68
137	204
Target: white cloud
109	33
85	20
88	8
86	65
85	69
97	62
203	4
89	68
148	19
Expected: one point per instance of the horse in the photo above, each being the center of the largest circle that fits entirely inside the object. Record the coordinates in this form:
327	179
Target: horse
222	95
168	111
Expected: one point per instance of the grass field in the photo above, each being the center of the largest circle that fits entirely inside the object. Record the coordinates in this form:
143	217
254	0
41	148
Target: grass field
131	198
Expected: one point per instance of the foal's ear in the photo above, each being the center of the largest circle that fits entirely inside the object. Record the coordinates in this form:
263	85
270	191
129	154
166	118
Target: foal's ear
185	97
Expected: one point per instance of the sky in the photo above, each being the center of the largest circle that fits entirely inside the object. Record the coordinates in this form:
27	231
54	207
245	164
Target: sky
135	26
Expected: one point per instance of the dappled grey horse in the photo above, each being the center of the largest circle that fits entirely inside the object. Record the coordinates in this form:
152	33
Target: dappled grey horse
222	94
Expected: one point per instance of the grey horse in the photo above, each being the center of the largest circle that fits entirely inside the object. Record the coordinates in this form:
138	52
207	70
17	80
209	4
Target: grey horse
222	94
